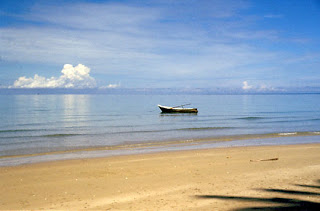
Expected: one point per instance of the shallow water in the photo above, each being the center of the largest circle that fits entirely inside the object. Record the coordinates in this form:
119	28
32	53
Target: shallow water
45	123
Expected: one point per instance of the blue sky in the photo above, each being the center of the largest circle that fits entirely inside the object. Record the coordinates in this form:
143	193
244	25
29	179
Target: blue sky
248	45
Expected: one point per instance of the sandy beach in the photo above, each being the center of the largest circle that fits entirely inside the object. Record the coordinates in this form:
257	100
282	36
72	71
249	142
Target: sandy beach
236	178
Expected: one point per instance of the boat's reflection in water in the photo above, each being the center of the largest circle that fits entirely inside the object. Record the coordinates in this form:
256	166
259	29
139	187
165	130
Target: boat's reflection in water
165	114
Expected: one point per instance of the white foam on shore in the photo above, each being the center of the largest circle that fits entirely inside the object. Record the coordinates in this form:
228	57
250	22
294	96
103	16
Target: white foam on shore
287	134
316	132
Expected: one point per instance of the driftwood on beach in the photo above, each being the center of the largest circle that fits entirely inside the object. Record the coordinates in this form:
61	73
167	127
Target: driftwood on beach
270	159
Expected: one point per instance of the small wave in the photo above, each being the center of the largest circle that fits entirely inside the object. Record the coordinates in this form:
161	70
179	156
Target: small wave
33	124
316	132
167	130
293	120
41	110
40	136
251	118
287	134
60	135
17	130
185	129
21	142
205	128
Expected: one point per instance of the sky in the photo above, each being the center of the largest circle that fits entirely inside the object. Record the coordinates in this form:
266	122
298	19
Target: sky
263	45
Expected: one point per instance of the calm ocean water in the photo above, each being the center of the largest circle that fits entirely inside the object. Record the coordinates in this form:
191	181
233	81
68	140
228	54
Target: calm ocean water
45	123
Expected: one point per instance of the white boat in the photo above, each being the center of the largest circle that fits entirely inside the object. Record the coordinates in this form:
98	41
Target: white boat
177	109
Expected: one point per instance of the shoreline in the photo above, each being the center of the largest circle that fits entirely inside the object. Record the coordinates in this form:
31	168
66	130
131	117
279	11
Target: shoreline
162	146
205	179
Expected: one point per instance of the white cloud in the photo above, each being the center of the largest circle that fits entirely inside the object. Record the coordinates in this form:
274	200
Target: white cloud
255	34
111	86
72	77
259	88
273	16
246	86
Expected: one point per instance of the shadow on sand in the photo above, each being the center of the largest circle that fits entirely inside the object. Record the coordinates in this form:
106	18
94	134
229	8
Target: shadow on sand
276	203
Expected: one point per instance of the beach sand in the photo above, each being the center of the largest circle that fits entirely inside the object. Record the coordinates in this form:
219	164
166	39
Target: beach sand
211	179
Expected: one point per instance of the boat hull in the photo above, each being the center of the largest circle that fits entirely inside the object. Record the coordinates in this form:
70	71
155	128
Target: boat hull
166	109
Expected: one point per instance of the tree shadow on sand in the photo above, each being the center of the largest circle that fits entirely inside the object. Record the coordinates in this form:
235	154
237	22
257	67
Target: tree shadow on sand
276	203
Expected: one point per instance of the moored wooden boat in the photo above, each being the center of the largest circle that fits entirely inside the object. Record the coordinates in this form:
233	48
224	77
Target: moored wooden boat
168	109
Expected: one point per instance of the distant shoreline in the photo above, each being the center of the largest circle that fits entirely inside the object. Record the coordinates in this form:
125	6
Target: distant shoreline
154	91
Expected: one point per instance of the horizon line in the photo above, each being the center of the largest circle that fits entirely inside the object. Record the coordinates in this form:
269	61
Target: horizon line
168	91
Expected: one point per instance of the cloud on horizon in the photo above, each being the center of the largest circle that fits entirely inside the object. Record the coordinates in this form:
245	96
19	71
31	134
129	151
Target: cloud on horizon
259	88
111	86
72	77
246	86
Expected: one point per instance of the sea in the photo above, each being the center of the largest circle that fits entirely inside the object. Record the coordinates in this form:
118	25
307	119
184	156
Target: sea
37	128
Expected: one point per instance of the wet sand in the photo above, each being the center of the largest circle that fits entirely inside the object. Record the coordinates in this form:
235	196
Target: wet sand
211	179
288	138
